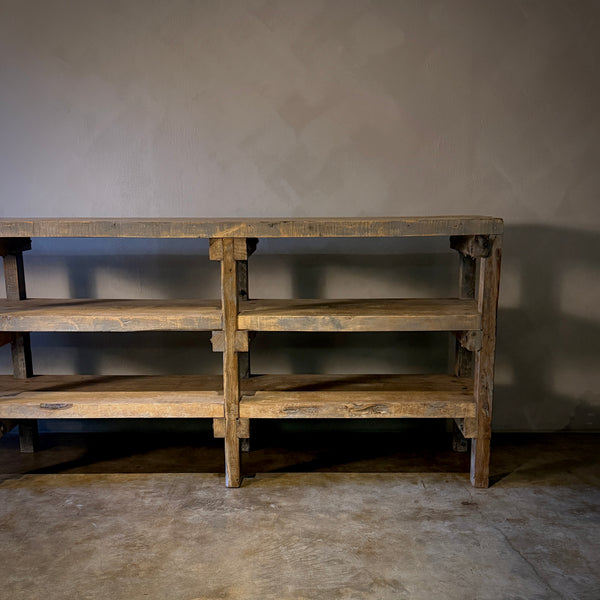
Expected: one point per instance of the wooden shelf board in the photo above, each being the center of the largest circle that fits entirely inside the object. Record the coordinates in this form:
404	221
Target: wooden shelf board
263	396
109	315
85	397
439	314
253	227
357	396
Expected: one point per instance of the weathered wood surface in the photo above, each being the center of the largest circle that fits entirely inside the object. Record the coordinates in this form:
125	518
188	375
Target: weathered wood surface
113	405
14	279
356	396
473	246
489	284
28	436
253	227
231	376
428	314
108	396
9	386
467	343
243	428
109	315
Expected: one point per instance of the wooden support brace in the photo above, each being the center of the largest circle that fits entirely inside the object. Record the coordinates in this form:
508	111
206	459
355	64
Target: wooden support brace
28	436
469	340
6	427
14	245
243	428
6	338
467	427
11	249
242	248
240	342
475	246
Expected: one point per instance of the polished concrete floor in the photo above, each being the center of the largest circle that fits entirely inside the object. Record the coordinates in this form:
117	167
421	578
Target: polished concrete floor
355	516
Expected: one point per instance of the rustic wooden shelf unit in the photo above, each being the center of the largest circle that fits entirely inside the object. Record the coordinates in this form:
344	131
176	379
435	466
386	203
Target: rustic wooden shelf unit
236	397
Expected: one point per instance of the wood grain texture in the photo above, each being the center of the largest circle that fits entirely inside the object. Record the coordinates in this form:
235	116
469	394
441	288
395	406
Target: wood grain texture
359	315
124	396
14	279
28	436
489	284
109	315
253	227
231	376
356	396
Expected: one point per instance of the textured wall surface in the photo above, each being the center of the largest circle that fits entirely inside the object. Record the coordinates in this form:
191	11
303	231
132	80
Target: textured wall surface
314	107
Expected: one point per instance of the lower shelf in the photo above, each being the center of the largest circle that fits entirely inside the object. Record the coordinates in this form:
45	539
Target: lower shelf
263	396
108	396
356	396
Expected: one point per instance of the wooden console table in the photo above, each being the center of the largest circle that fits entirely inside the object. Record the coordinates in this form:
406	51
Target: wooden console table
236	397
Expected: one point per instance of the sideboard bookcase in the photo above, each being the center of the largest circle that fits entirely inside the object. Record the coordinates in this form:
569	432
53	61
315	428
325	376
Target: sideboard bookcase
235	398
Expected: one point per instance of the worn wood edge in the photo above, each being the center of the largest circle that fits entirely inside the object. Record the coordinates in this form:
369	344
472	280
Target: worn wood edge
108	315
98	405
359	404
253	227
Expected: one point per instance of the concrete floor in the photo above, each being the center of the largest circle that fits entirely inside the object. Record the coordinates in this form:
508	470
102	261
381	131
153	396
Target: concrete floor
108	516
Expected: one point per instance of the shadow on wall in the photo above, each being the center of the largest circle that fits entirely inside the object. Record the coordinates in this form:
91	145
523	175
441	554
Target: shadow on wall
548	325
548	354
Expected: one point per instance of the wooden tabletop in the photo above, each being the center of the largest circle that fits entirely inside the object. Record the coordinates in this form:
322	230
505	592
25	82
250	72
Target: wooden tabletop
252	228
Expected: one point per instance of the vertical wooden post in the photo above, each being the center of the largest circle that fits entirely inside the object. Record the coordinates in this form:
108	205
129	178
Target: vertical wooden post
243	357
463	366
14	278
489	284
231	375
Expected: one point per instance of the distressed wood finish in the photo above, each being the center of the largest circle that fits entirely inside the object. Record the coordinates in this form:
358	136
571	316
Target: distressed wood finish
112	405
351	396
236	397
360	315
109	315
467	342
489	284
231	376
14	278
109	396
253	228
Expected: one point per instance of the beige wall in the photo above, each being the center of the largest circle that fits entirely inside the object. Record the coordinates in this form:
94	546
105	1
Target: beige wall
314	108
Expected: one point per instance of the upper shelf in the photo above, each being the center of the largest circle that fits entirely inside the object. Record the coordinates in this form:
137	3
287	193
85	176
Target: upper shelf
405	314
109	315
253	228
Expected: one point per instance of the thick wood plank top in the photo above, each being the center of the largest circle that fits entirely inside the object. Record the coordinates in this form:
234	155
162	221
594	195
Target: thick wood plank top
252	227
405	314
357	396
109	315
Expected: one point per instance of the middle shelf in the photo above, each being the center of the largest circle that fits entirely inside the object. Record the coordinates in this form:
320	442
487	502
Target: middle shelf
405	314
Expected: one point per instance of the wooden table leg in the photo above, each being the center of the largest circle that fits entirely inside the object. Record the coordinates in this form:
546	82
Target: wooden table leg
489	283
14	277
